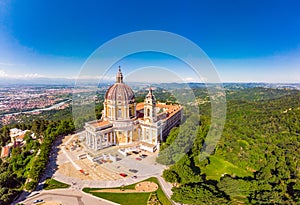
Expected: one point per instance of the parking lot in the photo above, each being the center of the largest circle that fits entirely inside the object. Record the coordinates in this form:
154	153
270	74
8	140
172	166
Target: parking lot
104	171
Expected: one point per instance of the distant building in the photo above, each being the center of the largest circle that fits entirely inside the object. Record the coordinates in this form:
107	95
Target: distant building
17	135
124	121
5	151
16	138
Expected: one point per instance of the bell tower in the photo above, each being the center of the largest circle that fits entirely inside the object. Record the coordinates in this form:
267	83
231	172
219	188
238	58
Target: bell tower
150	107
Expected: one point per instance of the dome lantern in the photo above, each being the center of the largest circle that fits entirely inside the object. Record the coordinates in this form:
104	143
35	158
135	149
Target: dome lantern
119	77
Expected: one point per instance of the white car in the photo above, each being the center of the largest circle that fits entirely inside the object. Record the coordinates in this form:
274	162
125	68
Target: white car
38	201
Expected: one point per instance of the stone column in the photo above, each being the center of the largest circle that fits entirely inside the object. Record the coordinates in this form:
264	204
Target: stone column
100	136
131	136
126	135
95	142
90	139
106	136
87	137
114	135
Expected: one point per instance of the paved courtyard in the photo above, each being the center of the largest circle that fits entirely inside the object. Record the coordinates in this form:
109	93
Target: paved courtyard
104	173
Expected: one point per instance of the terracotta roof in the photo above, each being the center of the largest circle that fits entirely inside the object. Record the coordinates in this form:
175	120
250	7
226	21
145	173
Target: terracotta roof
171	109
140	106
21	136
100	123
173	112
160	105
5	151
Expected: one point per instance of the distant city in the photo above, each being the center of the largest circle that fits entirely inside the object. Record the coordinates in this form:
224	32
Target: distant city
33	99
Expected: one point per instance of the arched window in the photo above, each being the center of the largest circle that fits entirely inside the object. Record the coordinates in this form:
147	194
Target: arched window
119	113
148	112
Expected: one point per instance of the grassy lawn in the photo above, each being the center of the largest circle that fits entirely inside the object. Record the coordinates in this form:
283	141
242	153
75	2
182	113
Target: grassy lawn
53	184
130	198
219	166
124	198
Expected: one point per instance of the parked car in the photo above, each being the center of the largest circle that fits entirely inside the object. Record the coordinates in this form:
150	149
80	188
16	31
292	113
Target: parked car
38	201
134	177
143	155
139	159
133	170
123	174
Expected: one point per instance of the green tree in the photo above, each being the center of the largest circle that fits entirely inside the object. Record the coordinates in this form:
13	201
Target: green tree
31	185
199	194
236	187
171	176
187	171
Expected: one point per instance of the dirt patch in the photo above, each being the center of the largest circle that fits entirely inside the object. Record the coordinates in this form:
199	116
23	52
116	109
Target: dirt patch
140	187
68	169
51	203
146	186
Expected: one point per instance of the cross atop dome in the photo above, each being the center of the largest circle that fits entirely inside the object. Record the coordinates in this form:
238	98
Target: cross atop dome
119	77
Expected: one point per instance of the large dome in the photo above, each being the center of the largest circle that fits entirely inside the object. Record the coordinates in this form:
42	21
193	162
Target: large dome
119	91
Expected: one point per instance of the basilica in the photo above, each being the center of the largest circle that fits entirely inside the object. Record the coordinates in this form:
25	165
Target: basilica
125	122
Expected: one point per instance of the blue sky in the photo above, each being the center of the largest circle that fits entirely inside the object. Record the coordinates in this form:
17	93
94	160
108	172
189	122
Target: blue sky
246	40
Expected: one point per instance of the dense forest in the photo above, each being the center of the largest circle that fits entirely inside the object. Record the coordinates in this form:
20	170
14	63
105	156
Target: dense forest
255	162
22	170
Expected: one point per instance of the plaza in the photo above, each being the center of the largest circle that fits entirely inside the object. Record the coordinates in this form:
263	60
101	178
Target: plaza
69	166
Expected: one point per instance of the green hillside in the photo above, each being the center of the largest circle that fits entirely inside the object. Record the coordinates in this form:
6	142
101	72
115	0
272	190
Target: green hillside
255	162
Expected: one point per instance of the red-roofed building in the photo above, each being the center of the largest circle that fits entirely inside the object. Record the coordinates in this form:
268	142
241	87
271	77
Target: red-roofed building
17	135
5	151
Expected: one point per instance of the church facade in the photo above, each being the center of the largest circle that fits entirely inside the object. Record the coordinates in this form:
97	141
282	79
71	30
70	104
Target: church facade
125	122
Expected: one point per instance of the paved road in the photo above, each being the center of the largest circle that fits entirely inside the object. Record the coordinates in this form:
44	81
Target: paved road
68	197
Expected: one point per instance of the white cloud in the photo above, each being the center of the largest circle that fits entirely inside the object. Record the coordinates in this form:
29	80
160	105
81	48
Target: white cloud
3	74
189	79
32	75
95	77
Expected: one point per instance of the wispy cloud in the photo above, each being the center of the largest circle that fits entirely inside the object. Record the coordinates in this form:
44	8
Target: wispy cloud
87	77
189	79
6	64
31	75
3	74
